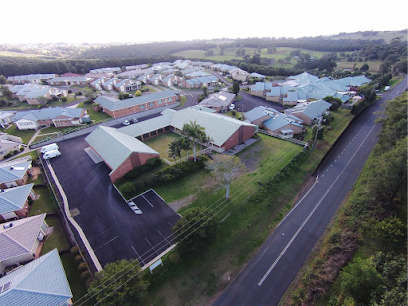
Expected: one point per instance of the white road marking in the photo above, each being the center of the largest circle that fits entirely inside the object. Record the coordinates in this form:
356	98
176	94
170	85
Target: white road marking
311	213
100	234
151	246
141	260
106	243
164	237
147	200
170	224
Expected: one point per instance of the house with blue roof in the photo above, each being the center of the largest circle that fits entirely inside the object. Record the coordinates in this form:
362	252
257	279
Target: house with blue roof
200	82
310	112
274	122
14	202
59	117
119	108
15	172
40	282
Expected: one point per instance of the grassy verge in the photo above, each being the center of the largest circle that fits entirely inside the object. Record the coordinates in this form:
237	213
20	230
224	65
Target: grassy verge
57	238
182	101
151	89
44	203
195	280
76	284
96	116
25	135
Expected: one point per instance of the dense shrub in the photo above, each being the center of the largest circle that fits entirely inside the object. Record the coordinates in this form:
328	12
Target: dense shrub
64	99
82	267
128	189
150	164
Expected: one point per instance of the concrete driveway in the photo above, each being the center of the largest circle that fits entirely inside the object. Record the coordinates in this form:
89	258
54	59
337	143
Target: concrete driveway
112	228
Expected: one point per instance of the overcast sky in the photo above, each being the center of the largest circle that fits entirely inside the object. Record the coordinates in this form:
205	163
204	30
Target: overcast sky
78	21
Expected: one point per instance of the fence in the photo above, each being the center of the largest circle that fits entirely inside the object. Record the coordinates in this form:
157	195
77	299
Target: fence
293	140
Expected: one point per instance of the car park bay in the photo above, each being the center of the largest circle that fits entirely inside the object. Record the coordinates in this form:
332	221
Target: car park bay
112	228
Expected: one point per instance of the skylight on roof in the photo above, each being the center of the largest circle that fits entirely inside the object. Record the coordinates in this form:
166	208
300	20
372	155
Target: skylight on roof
5	287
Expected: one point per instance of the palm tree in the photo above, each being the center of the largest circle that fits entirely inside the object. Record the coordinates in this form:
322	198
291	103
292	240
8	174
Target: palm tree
185	145
175	148
204	138
194	131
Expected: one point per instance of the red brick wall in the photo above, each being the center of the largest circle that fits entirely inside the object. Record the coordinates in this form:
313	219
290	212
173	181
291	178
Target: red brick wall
240	135
134	160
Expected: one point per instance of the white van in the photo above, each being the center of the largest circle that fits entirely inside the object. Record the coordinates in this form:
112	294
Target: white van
50	147
51	154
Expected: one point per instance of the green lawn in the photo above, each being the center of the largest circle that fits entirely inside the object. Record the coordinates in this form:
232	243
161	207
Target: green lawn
182	101
96	116
33	155
374	66
44	204
161	145
151	89
25	135
76	284
57	238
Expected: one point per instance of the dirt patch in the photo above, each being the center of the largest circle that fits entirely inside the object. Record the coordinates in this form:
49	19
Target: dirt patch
176	205
251	158
304	188
35	171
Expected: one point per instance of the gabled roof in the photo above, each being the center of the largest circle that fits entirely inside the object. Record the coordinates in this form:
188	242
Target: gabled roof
14	170
218	99
200	80
48	113
121	83
115	147
113	104
21	237
40	282
257	75
33	94
70	79
312	110
280	120
13	199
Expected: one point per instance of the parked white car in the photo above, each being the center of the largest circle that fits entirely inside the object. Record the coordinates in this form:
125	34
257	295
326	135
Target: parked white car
232	106
51	154
126	122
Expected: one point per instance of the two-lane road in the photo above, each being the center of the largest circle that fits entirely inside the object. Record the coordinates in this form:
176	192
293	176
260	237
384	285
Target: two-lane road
269	273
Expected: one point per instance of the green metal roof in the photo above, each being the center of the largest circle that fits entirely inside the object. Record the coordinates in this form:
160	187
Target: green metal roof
114	147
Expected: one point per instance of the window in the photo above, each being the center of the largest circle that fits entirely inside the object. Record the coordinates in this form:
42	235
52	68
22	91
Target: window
151	104
160	102
142	106
170	99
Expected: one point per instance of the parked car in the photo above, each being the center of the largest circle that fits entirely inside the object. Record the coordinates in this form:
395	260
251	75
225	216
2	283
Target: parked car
50	147
126	122
134	120
232	106
51	154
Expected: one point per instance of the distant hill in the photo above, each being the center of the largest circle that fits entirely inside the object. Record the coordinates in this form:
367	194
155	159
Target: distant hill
373	35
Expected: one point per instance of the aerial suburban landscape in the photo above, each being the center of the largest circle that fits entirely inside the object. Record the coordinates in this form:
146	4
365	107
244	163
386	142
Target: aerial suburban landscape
265	170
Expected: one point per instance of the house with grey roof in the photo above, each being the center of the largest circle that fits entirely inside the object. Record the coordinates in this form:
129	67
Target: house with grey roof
15	172
70	80
5	118
199	82
59	117
274	122
255	75
20	240
119	151
219	101
226	132
14	202
310	112
40	282
31	78
119	108
171	80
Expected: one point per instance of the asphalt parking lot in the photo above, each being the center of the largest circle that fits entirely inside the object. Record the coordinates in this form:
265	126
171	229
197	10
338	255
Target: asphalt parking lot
112	228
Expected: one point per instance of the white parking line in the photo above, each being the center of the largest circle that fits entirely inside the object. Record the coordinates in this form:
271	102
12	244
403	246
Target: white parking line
147	200
170	224
151	246
141	260
101	233
106	243
164	237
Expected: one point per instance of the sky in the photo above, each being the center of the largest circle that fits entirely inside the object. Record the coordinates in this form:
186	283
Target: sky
79	21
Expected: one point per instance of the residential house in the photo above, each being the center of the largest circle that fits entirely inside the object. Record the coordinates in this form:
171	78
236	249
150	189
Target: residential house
200	82
219	101
59	117
226	132
155	79
109	84
67	81
14	202
119	151
145	77
31	78
97	84
9	143
239	75
40	282
110	70
5	118
255	75
274	122
197	74
171	80
202	64
15	172
131	74
20	240
120	108
122	84
310	112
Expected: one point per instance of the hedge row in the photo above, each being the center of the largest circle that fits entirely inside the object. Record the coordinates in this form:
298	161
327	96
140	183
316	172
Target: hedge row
150	164
162	177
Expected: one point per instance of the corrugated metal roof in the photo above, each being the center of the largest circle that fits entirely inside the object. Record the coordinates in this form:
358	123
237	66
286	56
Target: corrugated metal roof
13	170
218	99
312	110
113	104
20	238
48	113
114	147
13	199
40	282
